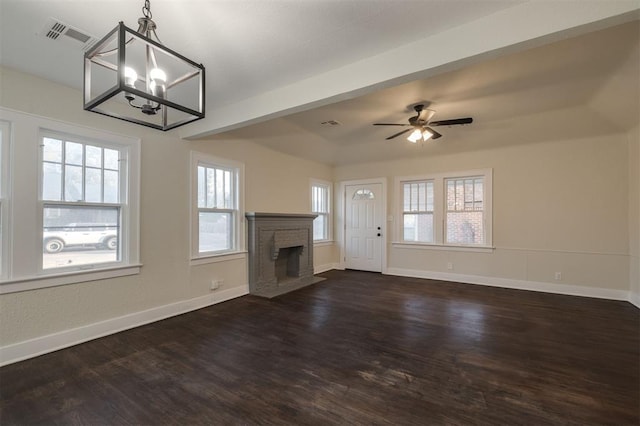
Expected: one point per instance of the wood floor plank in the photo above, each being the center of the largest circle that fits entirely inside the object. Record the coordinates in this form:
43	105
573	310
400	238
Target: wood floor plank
358	348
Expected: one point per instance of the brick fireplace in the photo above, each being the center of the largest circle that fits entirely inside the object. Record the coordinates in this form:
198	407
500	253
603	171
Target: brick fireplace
280	253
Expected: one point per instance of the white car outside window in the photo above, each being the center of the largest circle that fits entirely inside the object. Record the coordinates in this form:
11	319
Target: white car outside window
96	235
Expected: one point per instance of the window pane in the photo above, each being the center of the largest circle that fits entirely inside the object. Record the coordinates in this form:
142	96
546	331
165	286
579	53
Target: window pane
52	150
73	183
111	183
111	159
215	231
319	228
319	199
417	196
73	236
451	195
465	227
406	205
478	194
418	227
94	156
468	190
459	195
220	189
422	196
51	181
211	188
73	153
414	197
314	198
93	185
228	201
201	188
363	194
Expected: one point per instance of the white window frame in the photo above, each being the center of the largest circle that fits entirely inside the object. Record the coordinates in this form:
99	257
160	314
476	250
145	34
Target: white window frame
440	210
416	212
5	197
329	213
122	205
24	268
238	237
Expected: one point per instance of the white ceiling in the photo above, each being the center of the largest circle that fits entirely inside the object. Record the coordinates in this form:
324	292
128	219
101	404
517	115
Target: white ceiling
247	46
579	87
289	65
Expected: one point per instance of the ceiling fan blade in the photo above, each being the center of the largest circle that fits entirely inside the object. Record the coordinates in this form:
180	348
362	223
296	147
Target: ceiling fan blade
398	134
436	135
390	124
466	120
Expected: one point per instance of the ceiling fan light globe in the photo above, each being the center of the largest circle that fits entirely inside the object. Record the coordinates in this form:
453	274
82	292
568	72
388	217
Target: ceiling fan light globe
426	135
415	136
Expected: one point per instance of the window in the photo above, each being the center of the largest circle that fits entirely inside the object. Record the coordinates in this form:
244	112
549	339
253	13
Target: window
446	209
363	194
465	214
417	216
217	208
82	207
321	206
74	199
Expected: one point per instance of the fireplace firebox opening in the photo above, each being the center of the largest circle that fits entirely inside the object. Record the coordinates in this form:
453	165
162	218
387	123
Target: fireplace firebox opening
288	264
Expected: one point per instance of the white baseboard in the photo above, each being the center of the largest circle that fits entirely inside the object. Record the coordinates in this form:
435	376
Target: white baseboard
324	268
53	342
567	289
634	299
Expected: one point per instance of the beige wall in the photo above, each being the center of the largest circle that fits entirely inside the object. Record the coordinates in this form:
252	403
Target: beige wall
557	207
567	206
166	276
634	215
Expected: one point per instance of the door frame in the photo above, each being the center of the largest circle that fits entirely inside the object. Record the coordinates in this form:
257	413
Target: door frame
341	222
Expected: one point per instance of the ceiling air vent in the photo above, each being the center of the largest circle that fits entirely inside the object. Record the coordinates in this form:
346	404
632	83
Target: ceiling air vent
56	30
330	123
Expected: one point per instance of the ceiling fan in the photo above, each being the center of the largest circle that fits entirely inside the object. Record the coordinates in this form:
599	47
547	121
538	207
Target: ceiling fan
422	126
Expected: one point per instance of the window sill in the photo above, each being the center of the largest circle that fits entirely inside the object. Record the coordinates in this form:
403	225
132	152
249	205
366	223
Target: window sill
54	280
215	258
323	243
425	246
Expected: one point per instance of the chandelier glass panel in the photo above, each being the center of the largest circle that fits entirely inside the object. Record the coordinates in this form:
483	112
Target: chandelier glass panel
130	75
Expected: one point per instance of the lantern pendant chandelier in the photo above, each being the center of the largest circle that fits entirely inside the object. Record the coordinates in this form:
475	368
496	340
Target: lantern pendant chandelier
132	76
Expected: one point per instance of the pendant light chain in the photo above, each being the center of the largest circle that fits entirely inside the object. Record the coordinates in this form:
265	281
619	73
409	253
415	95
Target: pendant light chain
146	9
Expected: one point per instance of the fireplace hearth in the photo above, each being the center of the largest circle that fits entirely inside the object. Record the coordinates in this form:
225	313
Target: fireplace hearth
280	253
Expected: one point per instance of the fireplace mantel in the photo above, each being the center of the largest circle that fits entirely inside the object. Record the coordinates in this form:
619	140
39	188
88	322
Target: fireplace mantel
280	252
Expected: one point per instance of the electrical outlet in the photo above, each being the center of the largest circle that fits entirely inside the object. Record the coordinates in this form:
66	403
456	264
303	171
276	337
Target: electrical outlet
450	266
558	276
216	284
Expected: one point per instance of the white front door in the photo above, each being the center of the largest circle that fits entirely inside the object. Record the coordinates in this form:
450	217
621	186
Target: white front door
363	230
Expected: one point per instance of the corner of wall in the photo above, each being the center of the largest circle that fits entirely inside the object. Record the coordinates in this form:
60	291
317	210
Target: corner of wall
634	215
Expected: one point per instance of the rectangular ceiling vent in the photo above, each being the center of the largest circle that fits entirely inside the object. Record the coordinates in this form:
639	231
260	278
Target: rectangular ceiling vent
331	123
56	30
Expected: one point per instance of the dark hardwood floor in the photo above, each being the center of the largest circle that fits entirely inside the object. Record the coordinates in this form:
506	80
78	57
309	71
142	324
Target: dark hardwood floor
358	348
